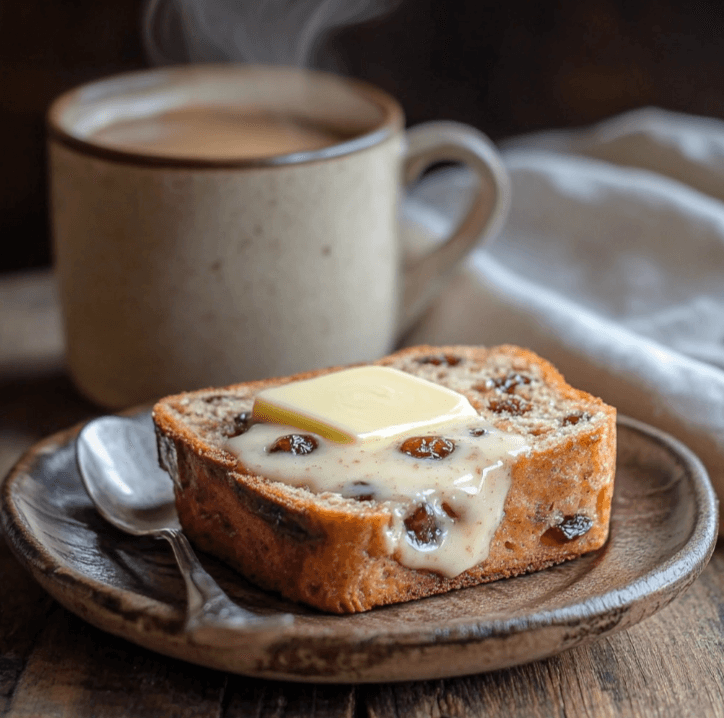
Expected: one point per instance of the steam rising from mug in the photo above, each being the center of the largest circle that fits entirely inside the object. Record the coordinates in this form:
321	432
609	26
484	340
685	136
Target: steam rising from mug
259	31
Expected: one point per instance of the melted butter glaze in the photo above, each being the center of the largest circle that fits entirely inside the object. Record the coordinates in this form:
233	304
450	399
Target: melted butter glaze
463	494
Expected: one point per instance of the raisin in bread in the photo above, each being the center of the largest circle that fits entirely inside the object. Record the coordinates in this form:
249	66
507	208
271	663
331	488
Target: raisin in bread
333	552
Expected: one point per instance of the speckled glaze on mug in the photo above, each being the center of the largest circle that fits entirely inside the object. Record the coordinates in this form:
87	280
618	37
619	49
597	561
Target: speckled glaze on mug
183	271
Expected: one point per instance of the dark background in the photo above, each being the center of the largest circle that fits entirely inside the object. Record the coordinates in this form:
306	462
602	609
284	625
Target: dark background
505	67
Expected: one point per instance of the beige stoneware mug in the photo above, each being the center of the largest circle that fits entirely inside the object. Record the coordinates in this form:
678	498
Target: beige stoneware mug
222	223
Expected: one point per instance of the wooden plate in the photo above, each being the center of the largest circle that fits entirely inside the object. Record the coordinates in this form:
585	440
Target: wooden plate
663	531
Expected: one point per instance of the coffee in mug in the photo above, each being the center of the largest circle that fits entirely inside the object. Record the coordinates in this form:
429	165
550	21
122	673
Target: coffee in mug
216	133
223	223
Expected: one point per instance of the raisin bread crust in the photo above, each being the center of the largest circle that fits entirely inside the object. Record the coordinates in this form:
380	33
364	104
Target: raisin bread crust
330	552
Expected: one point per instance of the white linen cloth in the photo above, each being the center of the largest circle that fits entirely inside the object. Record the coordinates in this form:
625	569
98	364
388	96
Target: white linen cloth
610	265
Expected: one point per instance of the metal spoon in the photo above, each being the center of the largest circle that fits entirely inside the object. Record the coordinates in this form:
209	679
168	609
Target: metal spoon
117	462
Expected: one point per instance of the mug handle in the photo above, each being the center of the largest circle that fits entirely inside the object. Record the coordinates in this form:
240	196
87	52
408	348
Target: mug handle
431	142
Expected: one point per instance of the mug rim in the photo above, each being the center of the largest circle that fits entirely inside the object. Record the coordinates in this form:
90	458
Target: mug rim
392	121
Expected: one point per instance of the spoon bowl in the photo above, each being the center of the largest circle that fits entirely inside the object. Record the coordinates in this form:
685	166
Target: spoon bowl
118	466
117	463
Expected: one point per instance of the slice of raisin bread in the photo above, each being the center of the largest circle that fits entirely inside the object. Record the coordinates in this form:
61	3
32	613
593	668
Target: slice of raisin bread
332	552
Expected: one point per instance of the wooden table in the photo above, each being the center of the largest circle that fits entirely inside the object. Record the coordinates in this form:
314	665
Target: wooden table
54	664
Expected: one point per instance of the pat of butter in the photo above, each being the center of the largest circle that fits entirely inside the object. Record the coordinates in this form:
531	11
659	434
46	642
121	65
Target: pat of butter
361	404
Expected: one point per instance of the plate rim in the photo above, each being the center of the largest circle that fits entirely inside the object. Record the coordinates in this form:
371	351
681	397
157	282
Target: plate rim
668	578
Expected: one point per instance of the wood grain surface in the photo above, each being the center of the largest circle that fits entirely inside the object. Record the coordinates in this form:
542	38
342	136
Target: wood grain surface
52	663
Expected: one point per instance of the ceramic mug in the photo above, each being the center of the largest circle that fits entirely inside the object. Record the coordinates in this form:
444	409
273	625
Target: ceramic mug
215	224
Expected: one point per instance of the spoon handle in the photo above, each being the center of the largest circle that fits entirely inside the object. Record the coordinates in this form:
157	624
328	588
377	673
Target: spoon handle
212	618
